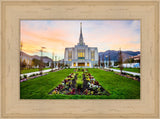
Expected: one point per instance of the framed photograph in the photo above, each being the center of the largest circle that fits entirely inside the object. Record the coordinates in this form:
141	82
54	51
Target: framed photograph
59	70
80	59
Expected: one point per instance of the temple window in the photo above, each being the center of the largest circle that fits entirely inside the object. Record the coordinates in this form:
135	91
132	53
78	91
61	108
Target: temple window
92	55
81	54
69	55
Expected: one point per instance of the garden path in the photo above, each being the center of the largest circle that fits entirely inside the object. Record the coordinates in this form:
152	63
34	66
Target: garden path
133	73
44	71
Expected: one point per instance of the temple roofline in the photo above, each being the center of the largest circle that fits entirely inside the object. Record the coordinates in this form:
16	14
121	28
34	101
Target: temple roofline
81	42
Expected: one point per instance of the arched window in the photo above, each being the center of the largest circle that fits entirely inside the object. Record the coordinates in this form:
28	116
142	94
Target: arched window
70	55
92	55
81	54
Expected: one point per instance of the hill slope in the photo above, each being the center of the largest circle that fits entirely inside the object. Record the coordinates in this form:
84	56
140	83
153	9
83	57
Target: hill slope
114	54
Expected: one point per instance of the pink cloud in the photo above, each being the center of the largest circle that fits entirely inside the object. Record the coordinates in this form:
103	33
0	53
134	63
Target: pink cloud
56	35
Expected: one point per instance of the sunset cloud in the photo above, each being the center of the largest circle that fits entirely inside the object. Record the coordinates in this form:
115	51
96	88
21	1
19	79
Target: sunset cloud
56	35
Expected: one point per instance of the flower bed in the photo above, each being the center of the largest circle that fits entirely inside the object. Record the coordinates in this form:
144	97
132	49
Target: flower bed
80	83
25	78
129	76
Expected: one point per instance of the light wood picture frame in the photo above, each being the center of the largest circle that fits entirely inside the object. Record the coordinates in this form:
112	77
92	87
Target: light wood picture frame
12	11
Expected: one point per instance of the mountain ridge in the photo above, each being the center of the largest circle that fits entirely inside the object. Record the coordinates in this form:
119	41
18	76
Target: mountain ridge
114	54
44	58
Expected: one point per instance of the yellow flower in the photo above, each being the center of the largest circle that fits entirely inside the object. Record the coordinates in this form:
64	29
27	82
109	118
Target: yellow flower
91	92
54	92
88	79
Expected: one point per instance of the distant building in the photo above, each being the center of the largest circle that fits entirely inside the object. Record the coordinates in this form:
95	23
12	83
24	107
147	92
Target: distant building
131	65
25	57
135	58
81	55
111	63
28	59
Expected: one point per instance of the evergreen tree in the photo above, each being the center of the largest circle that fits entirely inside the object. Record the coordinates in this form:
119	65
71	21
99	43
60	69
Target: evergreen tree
120	61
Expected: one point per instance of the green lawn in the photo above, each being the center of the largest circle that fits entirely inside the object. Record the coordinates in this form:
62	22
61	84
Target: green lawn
137	70
40	87
31	70
118	86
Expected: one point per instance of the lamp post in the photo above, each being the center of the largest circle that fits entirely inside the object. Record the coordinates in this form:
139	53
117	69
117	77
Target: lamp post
106	60
21	45
52	60
120	61
109	58
41	63
56	61
103	60
63	63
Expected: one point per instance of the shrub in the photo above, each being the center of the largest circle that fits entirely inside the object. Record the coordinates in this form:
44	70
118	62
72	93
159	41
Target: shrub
20	77
131	74
137	76
79	83
25	76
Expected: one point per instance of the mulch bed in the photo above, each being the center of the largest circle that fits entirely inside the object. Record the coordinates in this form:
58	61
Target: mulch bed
80	83
32	77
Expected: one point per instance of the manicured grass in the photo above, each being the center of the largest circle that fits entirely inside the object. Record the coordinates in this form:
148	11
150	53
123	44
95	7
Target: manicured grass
40	87
31	70
137	70
118	86
79	82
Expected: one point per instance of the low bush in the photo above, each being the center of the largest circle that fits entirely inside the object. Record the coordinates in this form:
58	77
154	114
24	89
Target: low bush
79	83
24	76
21	78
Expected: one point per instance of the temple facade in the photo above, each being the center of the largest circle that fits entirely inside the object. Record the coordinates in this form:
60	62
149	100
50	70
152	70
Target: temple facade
81	55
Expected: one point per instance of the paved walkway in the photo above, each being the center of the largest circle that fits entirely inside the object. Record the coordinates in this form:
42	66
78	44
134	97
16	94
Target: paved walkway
28	74
133	73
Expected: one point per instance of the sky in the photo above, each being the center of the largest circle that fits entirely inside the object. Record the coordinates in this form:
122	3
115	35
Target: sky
56	35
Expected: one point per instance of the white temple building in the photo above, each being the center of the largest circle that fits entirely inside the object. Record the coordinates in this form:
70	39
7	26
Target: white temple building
81	55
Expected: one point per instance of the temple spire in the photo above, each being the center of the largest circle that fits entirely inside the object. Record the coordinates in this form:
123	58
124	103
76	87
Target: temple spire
81	27
81	35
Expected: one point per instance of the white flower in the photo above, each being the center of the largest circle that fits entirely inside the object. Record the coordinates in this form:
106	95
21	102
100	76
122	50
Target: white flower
63	84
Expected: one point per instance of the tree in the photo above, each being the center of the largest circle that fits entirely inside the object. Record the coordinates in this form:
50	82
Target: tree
66	65
55	61
96	65
102	60
24	64
120	61
47	64
109	60
41	59
129	60
116	63
52	64
36	62
21	68
106	63
63	63
99	61
59	64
